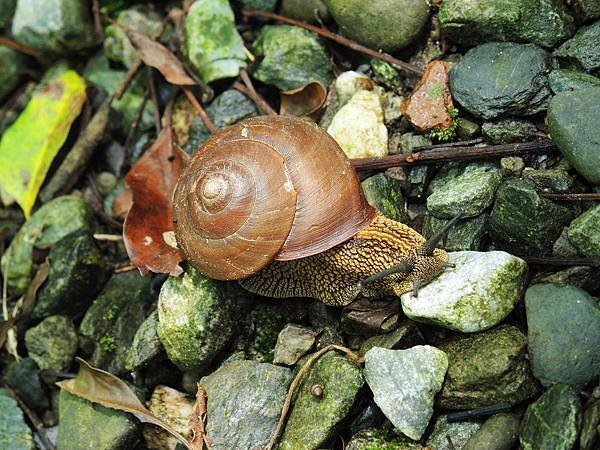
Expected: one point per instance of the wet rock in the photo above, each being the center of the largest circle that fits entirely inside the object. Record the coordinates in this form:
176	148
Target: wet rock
89	426
226	109
358	126
404	383
381	439
558	409
46	227
267	5
561	80
582	50
469	193
7	9
512	166
451	435
562	246
536	21
252	393
523	222
551	180
291	57
586	9
113	319
117	45
430	105
14	432
405	336
465	235
505	131
385	194
487	368
499	432
52	344
54	27
146	346
381	24
590	435
418	181
478	293
584	232
572	118
175	408
195	320
213	46
492	81
292	343
77	274
24	378
305	10
314	419
13	64
563	331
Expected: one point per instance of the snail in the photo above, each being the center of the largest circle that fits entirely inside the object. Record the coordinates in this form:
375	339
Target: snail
275	203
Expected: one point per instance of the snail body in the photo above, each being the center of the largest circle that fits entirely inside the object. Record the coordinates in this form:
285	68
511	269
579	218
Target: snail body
274	203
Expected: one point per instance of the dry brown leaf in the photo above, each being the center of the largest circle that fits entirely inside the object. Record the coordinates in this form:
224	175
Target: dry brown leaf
148	232
307	100
104	388
198	421
158	56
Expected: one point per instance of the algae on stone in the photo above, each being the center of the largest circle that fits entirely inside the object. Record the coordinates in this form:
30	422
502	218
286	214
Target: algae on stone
385	194
571	80
584	232
582	50
52	343
465	235
146	345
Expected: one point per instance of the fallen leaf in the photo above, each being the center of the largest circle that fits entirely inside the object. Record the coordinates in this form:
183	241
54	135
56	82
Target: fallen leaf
150	219
104	388
198	421
367	317
307	100
29	146
158	56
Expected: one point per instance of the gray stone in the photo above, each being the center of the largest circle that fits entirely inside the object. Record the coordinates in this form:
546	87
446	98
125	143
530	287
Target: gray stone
584	232
418	181
465	235
469	194
195	320
563	332
245	402
388	25
52	344
47	226
487	368
467	129
291	57
451	435
385	194
113	319
305	10
550	180
77	274
546	23
493	80
505	131
405	336
146	346
590	432
478	293
55	27
226	109
13	64
499	432
404	383
571	80
292	343
409	141
24	378
572	119
582	51
84	425
314	419
14	432
552	421
524	223
562	246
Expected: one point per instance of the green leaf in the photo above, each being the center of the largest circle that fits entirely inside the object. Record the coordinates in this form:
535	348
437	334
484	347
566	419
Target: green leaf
31	143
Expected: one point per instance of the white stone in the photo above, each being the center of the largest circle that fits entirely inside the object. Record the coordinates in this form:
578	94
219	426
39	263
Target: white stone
348	84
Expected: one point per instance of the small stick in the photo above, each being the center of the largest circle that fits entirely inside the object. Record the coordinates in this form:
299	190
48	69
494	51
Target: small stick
260	102
154	97
558	261
131	132
478	412
254	95
11	43
97	19
200	110
131	73
249	12
573	197
121	269
449	144
108	237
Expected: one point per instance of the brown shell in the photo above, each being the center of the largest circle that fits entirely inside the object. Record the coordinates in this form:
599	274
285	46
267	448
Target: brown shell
273	187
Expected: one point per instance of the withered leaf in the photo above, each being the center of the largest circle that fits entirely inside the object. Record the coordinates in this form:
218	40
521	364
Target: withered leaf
148	232
104	388
198	421
307	100
367	317
158	56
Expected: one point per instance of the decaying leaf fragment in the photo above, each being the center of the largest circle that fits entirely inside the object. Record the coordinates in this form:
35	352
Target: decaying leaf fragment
307	100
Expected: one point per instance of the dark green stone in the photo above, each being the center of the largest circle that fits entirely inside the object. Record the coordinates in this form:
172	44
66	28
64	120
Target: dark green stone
7	9
267	5
23	377
582	50
146	346
14	432
305	10
584	232
505	131
465	235
499	432
524	223
586	9
551	180
52	343
571	80
590	432
385	194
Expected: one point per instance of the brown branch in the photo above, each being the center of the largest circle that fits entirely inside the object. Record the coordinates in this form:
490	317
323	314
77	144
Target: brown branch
249	12
452	154
97	19
260	102
450	144
572	197
154	97
200	110
131	73
11	43
558	261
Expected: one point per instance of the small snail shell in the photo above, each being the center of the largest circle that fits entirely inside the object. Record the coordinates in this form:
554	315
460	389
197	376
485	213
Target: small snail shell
266	188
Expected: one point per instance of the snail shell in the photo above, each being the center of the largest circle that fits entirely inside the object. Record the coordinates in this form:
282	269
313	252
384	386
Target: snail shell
273	187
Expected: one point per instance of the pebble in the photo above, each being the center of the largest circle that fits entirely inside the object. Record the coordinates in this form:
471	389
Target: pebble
499	432
506	131
465	235
52	344
582	50
584	232
292	343
385	194
451	435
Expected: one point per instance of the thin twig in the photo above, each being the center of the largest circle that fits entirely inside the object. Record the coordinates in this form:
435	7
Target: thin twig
452	154
200	110
572	197
249	12
131	73
127	268
298	379
11	43
559	261
450	144
154	97
131	133
98	19
96	203
261	102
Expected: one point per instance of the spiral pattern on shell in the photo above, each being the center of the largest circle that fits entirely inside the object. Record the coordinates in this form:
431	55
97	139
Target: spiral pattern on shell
266	188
